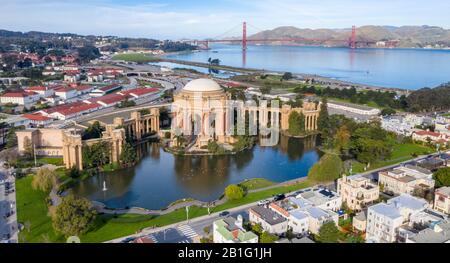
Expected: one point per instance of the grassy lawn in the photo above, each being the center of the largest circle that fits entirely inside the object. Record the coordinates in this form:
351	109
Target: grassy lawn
58	161
256	183
400	153
135	57
31	208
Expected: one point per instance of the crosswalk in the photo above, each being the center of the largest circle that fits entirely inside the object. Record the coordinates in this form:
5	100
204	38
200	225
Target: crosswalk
153	238
187	231
185	241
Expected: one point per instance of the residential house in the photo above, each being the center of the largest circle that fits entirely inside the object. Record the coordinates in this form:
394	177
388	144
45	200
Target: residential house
270	220
405	179
230	230
442	200
357	191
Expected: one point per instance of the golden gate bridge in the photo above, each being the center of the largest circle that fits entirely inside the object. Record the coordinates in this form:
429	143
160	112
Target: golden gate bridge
351	42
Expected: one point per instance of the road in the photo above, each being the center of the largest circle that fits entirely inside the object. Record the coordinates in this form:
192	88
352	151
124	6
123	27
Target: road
8	213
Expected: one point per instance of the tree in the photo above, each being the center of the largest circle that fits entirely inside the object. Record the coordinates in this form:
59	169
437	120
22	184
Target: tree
11	138
290	234
257	229
287	76
267	238
96	155
388	111
73	216
296	123
328	233
323	121
88	53
44	180
128	155
27	148
94	131
234	192
342	137
442	177
328	168
73	172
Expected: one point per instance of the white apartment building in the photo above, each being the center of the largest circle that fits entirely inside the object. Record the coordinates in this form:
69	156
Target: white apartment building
357	191
404	179
230	230
442	200
385	219
20	98
322	198
353	108
66	93
43	91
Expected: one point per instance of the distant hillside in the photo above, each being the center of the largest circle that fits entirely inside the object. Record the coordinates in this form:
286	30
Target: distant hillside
428	99
405	36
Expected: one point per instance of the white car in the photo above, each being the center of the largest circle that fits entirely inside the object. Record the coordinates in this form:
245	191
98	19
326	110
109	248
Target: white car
263	202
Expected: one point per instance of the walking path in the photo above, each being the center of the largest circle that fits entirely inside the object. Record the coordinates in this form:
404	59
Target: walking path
100	207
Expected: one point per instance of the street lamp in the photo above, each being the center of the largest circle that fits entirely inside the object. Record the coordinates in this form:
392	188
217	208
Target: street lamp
187	213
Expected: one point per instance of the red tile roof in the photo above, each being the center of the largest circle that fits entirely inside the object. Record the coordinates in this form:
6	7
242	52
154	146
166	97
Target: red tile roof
17	94
139	91
36	117
38	88
79	108
427	133
108	99
109	87
64	89
82	87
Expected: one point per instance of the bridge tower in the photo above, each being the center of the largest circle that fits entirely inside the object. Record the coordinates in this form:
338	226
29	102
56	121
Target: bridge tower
244	36
353	38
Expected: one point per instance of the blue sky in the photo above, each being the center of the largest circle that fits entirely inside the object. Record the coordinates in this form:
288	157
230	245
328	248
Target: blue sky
176	19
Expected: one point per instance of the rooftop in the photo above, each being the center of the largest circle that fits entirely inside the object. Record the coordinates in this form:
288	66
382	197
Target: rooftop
230	230
439	233
318	196
444	190
268	215
386	210
408	201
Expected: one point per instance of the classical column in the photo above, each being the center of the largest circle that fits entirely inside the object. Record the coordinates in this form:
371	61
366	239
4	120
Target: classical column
66	156
80	157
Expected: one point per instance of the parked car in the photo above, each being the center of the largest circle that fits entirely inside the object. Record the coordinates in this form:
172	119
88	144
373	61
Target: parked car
263	202
279	197
224	213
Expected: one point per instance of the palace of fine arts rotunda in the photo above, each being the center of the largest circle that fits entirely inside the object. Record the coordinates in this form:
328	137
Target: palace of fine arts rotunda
204	112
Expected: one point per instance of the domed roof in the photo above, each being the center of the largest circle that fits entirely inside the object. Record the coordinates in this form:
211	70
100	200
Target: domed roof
202	85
